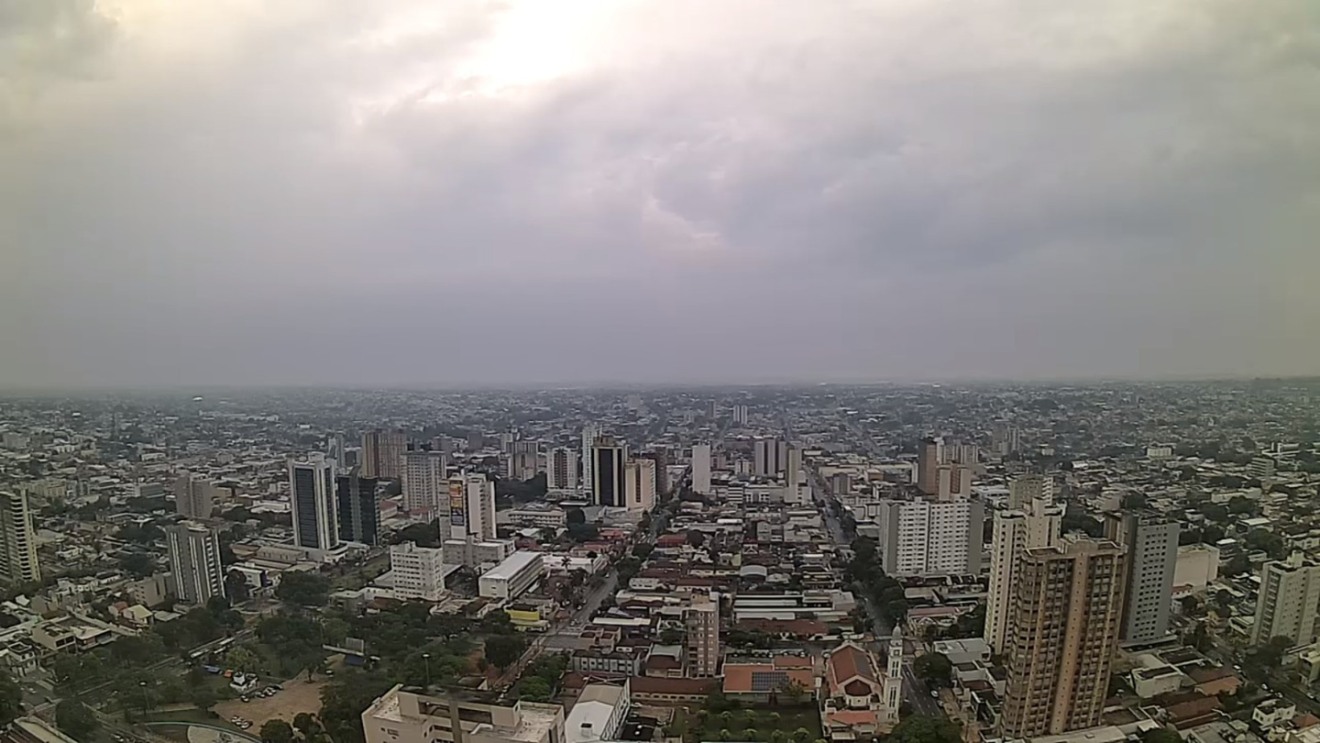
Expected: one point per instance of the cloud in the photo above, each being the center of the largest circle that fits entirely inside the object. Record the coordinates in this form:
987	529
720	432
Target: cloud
799	190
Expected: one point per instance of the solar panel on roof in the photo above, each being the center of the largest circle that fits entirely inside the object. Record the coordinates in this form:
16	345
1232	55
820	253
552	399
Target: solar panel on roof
765	681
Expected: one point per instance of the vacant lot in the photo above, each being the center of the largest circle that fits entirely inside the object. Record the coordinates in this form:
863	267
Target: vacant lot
298	696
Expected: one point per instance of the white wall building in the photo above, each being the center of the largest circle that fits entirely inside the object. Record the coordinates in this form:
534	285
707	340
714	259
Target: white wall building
195	569
931	538
424	481
1197	567
511	578
1015	532
639	486
701	469
418	572
468	512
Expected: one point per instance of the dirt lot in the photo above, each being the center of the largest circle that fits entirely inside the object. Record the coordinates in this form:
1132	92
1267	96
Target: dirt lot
298	696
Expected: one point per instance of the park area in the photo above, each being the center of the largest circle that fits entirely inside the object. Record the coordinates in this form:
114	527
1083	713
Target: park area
778	724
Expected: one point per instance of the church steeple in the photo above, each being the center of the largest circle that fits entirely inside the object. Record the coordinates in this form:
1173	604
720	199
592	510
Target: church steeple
894	674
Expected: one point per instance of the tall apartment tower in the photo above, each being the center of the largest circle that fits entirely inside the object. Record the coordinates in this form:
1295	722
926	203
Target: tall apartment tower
1151	544
590	432
381	453
701	469
769	457
1063	634
194	554
312	497
469	511
425	478
1015	532
1289	595
608	480
561	465
640	484
358	507
18	540
1025	489
792	472
524	460
703	636
193	496
927	538
929	458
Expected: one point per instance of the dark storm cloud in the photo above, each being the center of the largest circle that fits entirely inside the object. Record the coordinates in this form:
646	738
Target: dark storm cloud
658	191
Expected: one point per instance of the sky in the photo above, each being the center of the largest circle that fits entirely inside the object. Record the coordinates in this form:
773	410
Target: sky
325	192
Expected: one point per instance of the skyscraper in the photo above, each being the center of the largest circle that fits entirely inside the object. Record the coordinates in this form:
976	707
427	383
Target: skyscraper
639	491
589	433
193	496
469	512
381	453
524	460
792	472
1151	544
929	458
425	477
922	537
608	481
359	508
1063	633
701	469
769	457
312	498
195	568
561	464
1288	601
18	540
1015	532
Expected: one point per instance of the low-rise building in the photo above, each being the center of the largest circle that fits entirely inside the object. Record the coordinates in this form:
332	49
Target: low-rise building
598	713
415	715
511	578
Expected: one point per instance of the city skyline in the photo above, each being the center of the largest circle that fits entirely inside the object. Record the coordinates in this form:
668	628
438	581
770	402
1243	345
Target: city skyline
1027	191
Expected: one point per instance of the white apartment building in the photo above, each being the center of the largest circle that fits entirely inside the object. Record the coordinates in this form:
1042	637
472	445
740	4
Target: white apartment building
511	578
18	540
195	569
193	496
1014	532
639	484
561	465
480	556
468	512
1288	600
921	537
418	572
701	469
702	618
424	481
536	515
1025	489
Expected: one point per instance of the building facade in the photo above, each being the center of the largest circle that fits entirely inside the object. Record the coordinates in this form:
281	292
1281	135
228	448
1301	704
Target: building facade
511	578
358	508
1015	532
561	465
1150	541
923	537
1288	600
194	555
313	504
418	572
417	715
18	540
701	469
382	452
609	483
425	481
193	496
1063	635
639	491
769	457
702	618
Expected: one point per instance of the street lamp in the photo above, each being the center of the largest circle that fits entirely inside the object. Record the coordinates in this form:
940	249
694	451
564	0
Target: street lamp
426	659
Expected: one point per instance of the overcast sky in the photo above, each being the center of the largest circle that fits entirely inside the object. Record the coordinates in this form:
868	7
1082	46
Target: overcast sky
411	191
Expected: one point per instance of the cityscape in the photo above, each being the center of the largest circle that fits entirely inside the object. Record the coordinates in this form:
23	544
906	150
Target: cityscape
933	563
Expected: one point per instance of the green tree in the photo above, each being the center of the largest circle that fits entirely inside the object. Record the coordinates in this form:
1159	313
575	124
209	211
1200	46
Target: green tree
725	734
934	669
794	692
343	700
243	659
695	538
534	689
73	718
276	731
751	733
924	729
137	564
801	735
304	588
1238	565
505	650
236	587
575	516
1160	735
305	723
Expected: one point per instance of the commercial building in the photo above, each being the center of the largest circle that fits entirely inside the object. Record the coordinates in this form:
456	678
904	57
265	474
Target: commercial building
589	433
382	452
929	458
1288	600
609	484
792	474
1063	634
193	496
359	508
511	578
418	572
469	510
313	503
1150	542
923	537
425	481
769	457
1026	489
524	460
944	471
639	481
1015	532
538	516
598	713
702	617
18	540
1196	569
415	715
195	568
480	556
561	465
701	469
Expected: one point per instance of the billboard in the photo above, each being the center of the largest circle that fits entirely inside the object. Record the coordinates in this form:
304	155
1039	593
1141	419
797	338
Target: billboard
457	503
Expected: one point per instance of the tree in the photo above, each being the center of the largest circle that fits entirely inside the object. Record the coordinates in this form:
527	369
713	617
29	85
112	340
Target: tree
306	724
1190	605
695	538
575	516
304	588
137	564
923	729
73	718
643	551
276	731
534	689
1160	735
422	535
1238	565
505	650
343	700
794	692
243	660
236	587
934	669
726	734
1134	501
801	735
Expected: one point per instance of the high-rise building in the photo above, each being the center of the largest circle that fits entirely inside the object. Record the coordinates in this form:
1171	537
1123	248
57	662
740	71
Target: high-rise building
1015	532
424	482
702	617
769	457
639	486
701	469
589	433
1063	634
952	482
929	458
193	496
608	480
1150	541
469	510
337	449
1287	603
1005	438
382	452
359	508
1023	490
524	460
561	465
312	498
922	537
18	540
418	572
739	414
195	568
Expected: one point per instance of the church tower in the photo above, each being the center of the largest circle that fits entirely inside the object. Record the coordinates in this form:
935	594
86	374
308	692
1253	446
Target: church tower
894	675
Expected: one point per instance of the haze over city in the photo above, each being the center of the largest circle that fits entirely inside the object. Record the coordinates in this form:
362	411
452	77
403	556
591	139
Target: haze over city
407	192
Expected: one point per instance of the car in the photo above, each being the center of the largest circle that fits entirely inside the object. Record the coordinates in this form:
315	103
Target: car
277	687
935	693
245	698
